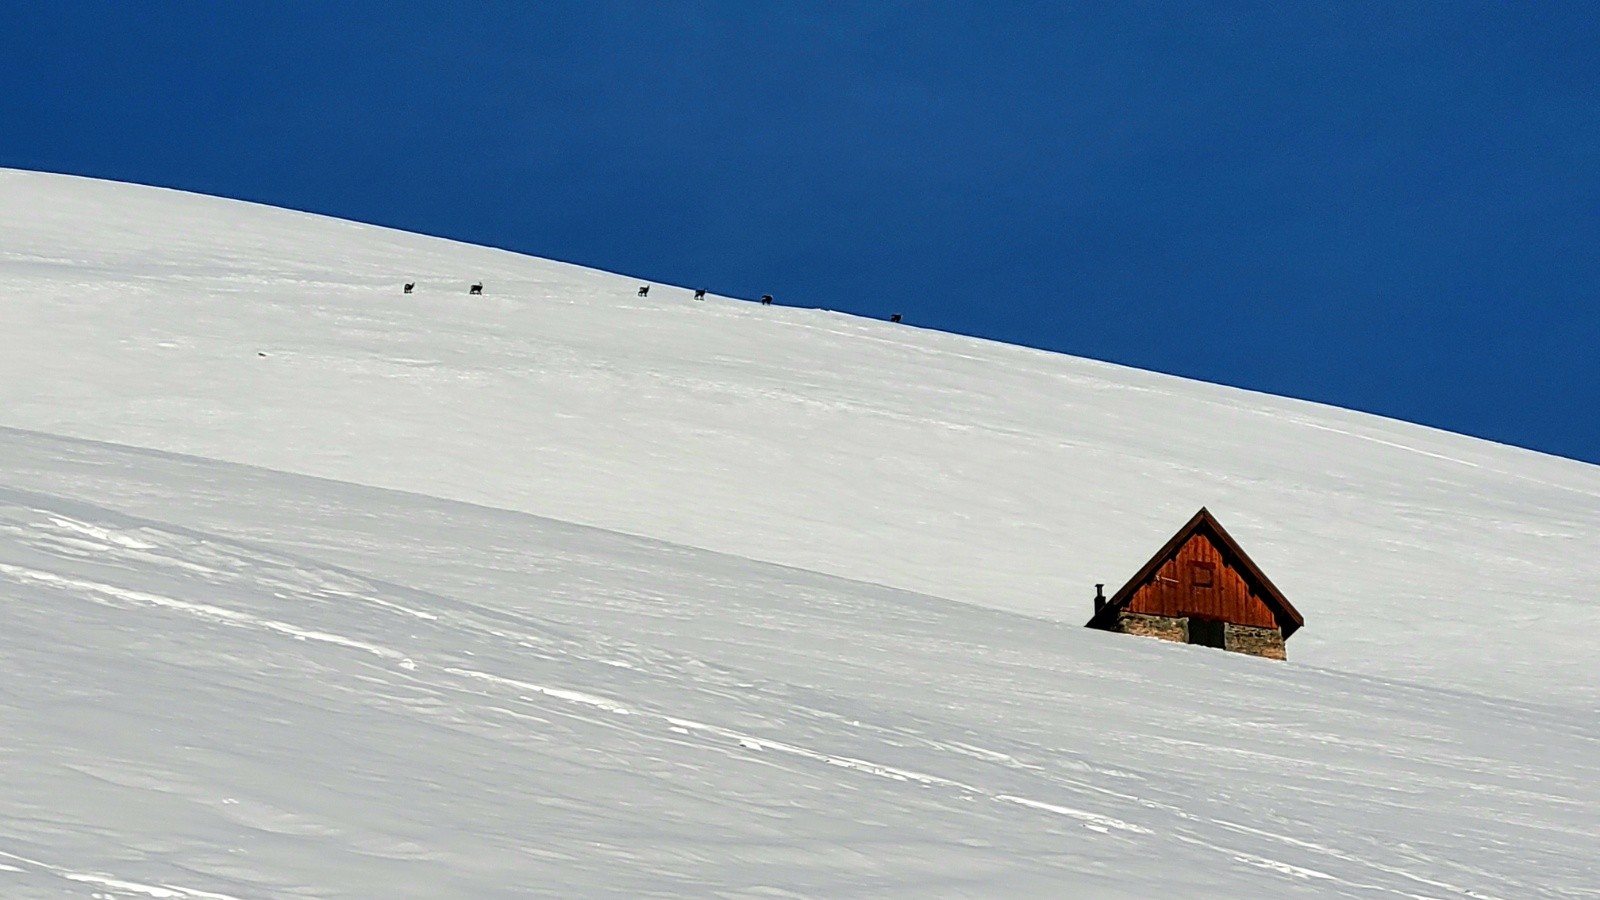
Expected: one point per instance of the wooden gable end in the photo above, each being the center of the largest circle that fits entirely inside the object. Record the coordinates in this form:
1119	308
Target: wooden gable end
1174	583
1200	580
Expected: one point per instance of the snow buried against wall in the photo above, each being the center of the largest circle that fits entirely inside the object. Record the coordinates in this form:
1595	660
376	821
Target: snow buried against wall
239	682
750	599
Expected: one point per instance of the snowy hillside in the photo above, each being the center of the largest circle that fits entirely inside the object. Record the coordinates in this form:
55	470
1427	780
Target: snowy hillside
315	589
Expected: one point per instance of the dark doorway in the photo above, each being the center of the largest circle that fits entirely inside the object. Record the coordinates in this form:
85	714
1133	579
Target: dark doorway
1206	632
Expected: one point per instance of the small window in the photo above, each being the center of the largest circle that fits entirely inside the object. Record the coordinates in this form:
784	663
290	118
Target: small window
1202	574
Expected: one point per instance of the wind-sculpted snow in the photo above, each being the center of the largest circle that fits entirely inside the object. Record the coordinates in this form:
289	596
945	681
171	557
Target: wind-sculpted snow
1004	477
309	588
225	681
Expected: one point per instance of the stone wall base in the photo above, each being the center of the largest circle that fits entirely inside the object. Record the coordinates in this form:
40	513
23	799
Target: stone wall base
1264	642
1154	626
1267	642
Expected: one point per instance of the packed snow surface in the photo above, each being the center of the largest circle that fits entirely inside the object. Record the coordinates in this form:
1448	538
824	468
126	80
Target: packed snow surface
312	588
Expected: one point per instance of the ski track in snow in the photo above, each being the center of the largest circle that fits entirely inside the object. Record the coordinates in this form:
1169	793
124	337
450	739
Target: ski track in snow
297	662
106	887
1156	820
215	613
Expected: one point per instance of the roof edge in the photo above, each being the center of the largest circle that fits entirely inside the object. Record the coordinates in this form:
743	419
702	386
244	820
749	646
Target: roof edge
1290	619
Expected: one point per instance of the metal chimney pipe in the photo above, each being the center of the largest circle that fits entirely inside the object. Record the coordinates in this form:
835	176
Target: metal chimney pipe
1099	598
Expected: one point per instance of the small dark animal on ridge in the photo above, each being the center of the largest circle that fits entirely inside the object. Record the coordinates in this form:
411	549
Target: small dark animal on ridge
895	317
410	285
476	289
644	290
700	294
766	299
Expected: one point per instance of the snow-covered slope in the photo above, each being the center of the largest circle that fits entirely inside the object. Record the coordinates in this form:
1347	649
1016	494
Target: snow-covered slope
564	591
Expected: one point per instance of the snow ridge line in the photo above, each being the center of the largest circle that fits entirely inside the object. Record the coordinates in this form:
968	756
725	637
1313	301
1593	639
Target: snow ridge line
1096	822
1093	821
204	610
160	892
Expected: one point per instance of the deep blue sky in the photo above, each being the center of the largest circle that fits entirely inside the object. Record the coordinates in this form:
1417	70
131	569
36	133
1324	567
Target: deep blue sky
1391	206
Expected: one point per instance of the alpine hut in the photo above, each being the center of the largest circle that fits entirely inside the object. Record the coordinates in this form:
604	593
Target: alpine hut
1201	588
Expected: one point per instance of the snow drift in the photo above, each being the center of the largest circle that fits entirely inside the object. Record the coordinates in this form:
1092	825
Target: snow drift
313	588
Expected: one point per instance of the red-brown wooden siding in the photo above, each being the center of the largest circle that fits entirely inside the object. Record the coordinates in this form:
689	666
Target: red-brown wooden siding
1172	591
